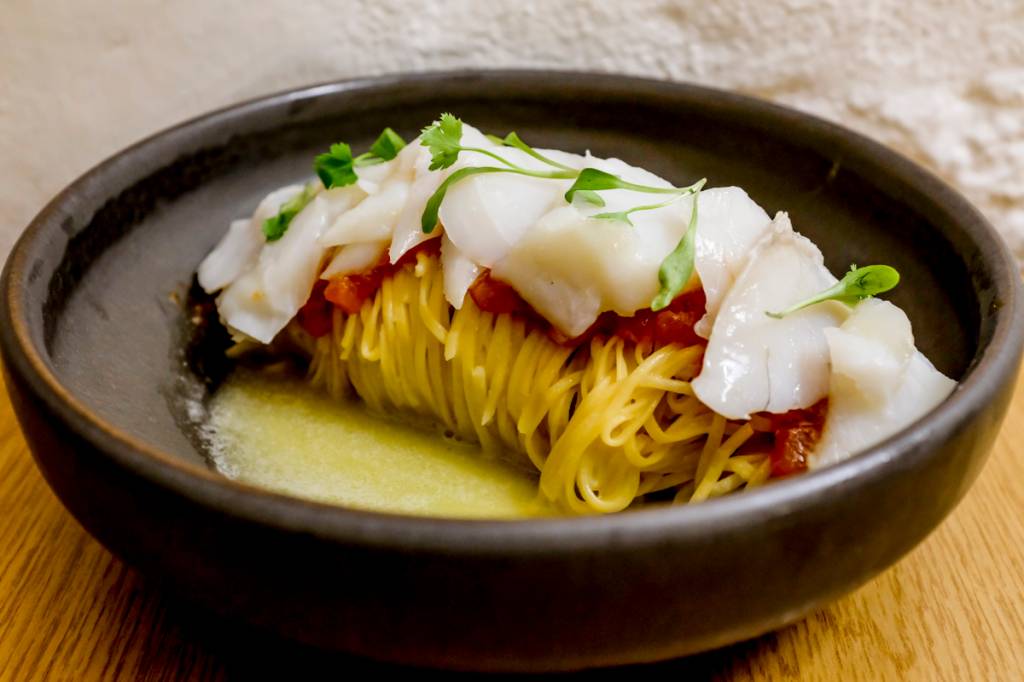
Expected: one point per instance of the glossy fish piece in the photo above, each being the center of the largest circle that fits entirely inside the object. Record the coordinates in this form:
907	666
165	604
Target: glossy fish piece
263	300
239	249
756	363
880	382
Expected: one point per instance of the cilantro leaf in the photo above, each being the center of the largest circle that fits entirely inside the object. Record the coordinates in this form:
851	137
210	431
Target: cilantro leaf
857	284
443	139
275	226
336	168
387	145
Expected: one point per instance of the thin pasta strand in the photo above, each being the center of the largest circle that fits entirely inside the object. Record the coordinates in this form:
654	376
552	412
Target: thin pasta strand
603	424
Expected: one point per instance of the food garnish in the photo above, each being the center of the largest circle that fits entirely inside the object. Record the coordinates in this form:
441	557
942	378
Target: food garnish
573	314
336	167
275	226
443	139
676	269
856	285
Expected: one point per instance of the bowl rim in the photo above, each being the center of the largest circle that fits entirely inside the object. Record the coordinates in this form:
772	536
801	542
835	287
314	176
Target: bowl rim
992	362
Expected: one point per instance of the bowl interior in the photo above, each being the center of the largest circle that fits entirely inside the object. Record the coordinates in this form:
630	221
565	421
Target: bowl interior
110	260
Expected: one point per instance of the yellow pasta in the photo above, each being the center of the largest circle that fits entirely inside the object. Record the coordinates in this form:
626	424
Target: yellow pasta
603	424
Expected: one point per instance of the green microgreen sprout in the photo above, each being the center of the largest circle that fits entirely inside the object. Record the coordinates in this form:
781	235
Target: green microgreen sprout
856	285
275	226
444	140
588	196
623	216
677	268
513	140
592	179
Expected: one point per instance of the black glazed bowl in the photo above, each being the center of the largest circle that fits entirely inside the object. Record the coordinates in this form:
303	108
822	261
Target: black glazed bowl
92	343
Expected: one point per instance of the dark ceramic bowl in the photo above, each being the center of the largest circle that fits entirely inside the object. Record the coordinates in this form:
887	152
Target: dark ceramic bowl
92	341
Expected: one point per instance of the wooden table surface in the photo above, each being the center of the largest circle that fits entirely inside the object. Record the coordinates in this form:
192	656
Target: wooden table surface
951	610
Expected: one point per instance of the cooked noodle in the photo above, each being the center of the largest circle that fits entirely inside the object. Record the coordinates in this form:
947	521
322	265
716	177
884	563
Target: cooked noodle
604	424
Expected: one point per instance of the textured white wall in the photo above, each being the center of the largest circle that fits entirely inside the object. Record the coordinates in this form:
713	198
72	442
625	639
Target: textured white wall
941	80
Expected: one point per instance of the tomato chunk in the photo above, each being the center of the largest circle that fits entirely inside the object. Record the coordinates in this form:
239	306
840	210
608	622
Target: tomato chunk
349	292
494	296
316	315
796	433
673	324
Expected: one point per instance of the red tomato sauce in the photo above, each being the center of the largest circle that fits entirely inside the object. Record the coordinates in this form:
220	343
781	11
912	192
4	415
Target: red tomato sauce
494	296
674	324
350	291
316	315
794	435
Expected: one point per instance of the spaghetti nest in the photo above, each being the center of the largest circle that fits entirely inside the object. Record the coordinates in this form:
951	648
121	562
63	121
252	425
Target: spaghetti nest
605	423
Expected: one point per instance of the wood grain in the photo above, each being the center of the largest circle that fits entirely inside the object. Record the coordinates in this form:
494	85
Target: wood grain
952	610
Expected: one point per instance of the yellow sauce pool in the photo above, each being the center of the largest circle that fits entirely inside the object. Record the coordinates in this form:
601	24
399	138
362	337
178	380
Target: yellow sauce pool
277	432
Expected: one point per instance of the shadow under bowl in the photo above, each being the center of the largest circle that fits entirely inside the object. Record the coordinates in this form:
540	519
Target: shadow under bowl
92	335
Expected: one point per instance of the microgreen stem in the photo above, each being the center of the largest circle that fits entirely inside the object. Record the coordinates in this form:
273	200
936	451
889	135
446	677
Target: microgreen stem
624	215
487	152
429	218
856	285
